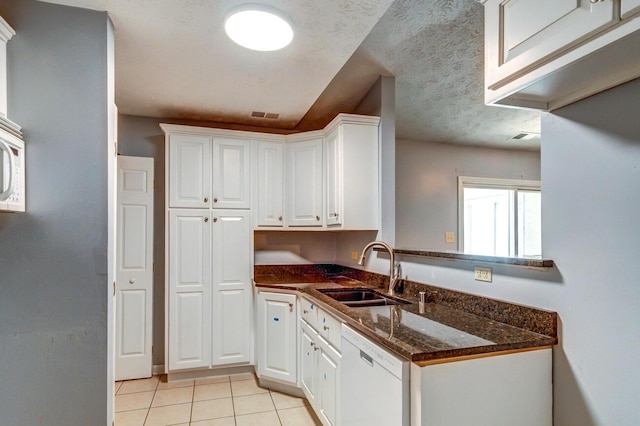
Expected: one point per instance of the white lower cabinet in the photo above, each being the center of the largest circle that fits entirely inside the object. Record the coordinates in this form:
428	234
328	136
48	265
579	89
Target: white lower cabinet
209	322
277	332
320	374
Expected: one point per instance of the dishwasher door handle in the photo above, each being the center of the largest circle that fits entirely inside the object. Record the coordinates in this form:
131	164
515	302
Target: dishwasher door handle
366	358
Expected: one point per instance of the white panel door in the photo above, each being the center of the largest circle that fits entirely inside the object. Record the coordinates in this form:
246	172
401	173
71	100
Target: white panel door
328	385
308	361
304	181
134	263
231	282
277	334
522	34
270	184
231	174
189	289
629	8
189	171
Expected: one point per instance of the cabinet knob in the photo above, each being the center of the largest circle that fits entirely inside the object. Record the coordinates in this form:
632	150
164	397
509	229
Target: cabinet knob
132	281
334	214
280	218
290	307
318	218
206	219
305	312
215	200
326	328
215	219
312	344
206	200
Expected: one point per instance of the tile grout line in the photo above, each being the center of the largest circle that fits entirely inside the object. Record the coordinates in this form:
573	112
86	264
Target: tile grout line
274	406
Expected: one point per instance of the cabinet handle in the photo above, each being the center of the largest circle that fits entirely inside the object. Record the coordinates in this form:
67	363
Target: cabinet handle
206	200
215	219
318	218
215	200
325	328
597	1
206	219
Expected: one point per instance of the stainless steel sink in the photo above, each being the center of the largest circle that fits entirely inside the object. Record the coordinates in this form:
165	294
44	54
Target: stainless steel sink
357	297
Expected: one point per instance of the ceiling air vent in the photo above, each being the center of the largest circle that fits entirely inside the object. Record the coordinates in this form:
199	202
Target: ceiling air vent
260	114
524	136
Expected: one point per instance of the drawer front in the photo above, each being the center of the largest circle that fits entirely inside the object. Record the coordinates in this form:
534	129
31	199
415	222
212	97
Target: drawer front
309	312
329	328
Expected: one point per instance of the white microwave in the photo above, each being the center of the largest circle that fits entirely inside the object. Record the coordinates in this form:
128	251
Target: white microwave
12	176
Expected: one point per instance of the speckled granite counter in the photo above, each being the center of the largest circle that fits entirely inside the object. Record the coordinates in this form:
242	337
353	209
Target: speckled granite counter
452	325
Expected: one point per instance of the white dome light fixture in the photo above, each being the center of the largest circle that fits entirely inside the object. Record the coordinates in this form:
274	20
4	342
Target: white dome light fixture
258	27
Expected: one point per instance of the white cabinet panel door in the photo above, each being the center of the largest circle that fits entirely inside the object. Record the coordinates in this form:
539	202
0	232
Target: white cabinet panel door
231	174
189	171
522	34
134	263
189	289
277	347
334	178
629	8
270	184
304	181
308	360
231	281
328	385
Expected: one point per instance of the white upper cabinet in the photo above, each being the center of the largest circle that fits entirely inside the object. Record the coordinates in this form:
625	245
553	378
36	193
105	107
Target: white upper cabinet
231	173
304	183
629	8
545	54
270	211
189	171
527	32
352	186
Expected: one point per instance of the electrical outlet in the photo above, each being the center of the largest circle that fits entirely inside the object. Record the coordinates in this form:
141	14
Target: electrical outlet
482	274
354	255
449	237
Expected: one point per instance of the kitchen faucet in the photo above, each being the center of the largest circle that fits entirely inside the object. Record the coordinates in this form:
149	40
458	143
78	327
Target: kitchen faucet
393	273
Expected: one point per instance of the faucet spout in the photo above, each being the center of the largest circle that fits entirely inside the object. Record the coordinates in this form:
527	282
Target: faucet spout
393	273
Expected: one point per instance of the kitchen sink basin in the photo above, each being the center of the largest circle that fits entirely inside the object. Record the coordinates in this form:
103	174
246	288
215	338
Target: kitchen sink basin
356	297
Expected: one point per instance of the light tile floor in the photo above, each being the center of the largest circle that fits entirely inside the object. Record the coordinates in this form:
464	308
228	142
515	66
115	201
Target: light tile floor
229	400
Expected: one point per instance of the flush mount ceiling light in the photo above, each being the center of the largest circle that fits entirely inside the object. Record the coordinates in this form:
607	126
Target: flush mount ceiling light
258	27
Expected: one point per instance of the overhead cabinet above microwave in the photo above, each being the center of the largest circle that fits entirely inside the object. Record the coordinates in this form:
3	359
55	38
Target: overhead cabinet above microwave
545	54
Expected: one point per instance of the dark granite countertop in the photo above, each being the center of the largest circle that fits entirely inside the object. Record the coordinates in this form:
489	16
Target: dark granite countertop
447	327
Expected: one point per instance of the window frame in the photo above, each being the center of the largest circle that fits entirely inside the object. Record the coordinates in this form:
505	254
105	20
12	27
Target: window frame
493	183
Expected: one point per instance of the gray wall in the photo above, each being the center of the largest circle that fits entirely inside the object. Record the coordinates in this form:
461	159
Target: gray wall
427	191
590	168
53	258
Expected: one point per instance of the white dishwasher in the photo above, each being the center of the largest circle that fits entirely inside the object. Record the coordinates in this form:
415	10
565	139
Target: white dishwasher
374	383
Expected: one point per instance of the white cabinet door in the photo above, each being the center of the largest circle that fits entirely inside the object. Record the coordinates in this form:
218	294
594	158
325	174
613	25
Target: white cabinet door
231	286
304	182
189	290
231	173
308	361
277	333
189	171
334	177
629	8
352	164
270	184
522	34
328	376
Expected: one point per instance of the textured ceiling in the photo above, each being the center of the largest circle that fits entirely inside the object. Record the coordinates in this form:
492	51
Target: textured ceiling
173	60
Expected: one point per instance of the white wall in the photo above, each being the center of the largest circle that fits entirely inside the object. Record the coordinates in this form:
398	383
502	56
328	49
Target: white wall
427	186
590	169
